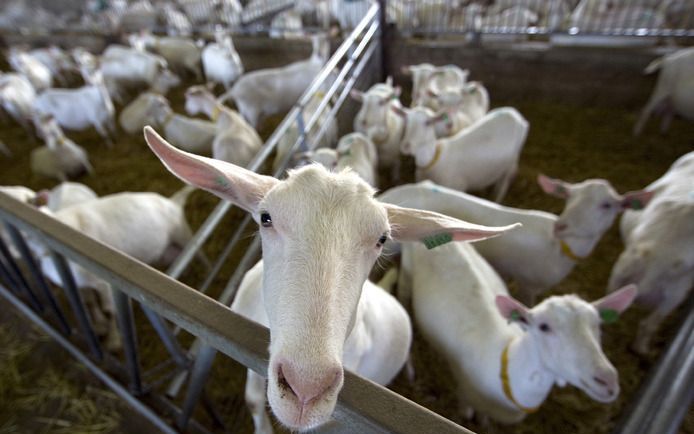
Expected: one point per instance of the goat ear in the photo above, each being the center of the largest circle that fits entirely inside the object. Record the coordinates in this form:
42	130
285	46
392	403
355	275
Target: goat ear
397	91
357	95
228	181
513	310
636	199
434	229
399	111
610	306
554	187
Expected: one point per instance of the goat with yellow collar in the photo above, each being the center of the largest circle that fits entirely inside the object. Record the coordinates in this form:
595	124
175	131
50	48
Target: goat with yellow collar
504	356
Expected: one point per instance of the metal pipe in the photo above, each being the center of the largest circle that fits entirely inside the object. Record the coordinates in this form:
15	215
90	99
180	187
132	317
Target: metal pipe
18	278
77	304
166	336
124	315
37	276
198	377
112	384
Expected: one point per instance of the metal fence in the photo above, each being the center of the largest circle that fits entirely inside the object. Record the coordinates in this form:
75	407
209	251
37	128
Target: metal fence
673	18
363	406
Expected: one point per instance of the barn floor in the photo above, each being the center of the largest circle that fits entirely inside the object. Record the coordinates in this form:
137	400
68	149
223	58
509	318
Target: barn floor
569	142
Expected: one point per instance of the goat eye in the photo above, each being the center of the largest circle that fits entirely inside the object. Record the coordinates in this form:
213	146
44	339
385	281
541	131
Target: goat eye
382	241
544	328
605	205
265	220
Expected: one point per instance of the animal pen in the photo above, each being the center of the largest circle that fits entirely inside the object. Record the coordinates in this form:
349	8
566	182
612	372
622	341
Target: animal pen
166	370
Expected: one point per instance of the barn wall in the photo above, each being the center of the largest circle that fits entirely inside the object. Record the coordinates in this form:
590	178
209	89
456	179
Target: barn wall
587	76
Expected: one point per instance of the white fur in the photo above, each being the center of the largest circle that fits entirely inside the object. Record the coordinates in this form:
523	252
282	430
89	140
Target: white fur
182	54
321	233
454	296
137	113
60	158
235	141
484	154
37	73
376	347
67	194
143	225
17	97
674	90
194	135
220	61
123	67
275	90
81	108
658	255
378	122
531	255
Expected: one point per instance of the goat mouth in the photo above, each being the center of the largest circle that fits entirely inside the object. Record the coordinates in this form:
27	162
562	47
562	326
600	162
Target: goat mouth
598	394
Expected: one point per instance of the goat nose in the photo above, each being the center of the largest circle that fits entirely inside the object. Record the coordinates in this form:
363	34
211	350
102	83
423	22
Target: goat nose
308	388
608	382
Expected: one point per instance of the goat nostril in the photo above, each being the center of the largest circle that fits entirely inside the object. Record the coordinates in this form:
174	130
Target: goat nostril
560	227
600	381
282	381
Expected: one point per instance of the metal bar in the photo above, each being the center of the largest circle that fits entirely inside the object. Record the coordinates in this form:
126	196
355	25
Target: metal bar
18	278
650	399
37	276
77	304
166	336
112	384
363	406
198	377
124	315
225	254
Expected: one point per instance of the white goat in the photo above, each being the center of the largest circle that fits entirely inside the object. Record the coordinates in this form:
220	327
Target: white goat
147	226
674	90
81	108
37	73
377	120
194	135
61	158
123	67
459	108
355	151
56	60
440	78
309	266
504	356
484	154
658	256
181	54
67	194
545	250
17	97
236	141
177	23
376	347
221	61
290	137
287	25
275	90
138	113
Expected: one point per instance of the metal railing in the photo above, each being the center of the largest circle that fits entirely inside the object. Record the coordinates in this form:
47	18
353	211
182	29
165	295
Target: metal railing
362	406
670	18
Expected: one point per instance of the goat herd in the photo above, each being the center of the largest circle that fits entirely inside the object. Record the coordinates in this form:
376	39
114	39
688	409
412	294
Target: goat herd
322	229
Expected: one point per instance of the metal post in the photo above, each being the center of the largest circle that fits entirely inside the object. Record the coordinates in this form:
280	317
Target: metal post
198	377
37	276
166	337
77	305
384	39
18	278
124	315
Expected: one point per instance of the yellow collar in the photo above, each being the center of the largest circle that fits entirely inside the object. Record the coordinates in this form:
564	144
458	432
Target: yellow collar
506	382
215	113
566	250
437	155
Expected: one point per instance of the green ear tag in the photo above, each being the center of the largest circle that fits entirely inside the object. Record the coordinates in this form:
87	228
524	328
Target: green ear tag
515	315
636	204
437	240
561	190
609	316
221	181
